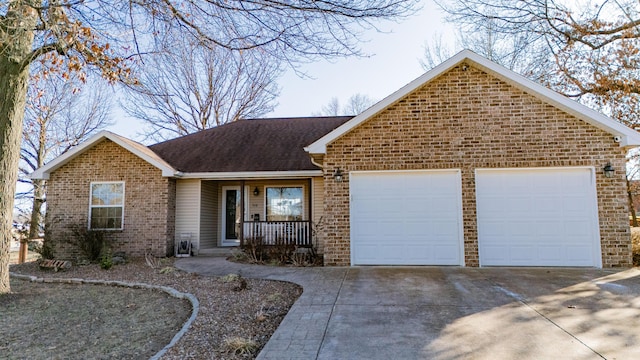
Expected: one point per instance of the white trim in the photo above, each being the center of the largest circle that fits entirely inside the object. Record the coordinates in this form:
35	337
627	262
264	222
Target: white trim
136	148
364	172
458	173
91	206
592	168
596	241
254	175
629	137
223	223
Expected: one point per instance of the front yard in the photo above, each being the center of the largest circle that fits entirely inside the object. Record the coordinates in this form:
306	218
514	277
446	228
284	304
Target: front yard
43	321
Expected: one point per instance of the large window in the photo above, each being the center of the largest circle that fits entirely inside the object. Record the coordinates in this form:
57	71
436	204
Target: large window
284	203
106	208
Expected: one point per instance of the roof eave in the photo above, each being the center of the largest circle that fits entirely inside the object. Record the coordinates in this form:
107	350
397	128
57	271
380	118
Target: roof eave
629	136
45	171
250	175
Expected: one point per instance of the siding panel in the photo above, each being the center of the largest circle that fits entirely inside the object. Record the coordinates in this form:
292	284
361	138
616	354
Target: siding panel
188	210
208	215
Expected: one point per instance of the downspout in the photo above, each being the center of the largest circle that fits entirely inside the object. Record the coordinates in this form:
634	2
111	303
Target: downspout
311	224
315	163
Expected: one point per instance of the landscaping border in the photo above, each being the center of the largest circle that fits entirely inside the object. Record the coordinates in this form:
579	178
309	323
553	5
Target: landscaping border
195	304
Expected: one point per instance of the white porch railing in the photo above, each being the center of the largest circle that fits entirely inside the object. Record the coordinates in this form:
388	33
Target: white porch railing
279	232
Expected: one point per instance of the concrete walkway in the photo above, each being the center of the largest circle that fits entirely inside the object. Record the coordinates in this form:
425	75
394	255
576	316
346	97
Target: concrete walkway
450	312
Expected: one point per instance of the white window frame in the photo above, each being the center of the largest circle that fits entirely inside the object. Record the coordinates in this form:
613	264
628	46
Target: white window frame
264	189
91	206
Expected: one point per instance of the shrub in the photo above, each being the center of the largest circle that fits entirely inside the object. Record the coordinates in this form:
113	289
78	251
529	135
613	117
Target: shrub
91	243
44	248
255	249
283	252
240	346
280	252
235	281
106	260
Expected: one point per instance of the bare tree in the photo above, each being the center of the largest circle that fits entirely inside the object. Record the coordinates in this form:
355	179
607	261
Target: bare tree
60	113
592	50
104	35
190	87
355	105
332	108
512	52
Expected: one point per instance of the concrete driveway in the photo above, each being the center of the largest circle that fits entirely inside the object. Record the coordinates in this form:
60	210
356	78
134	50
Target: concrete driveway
451	312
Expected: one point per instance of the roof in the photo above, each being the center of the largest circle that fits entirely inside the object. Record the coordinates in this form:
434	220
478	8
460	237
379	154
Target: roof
136	148
628	136
253	145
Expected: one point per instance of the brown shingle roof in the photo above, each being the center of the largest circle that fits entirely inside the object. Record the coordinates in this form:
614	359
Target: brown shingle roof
249	145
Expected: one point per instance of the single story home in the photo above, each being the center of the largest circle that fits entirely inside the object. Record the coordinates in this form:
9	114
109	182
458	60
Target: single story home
470	164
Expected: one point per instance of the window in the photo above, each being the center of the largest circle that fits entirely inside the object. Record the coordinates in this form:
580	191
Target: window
284	203
106	207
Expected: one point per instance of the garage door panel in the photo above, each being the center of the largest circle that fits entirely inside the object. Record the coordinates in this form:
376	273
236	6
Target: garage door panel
521	253
537	217
577	253
496	203
417	221
446	254
494	253
550	253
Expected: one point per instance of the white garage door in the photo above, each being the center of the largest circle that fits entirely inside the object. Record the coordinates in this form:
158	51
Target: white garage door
537	217
406	218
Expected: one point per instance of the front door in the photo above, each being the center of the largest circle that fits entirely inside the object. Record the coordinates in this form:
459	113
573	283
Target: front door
231	215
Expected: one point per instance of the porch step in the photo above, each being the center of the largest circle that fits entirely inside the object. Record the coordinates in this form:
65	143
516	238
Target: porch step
218	251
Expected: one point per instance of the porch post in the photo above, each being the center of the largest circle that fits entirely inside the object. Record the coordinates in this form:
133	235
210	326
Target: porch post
310	212
310	198
241	230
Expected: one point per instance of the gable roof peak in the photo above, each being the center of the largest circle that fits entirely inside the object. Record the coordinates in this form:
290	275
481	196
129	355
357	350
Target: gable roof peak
134	147
628	136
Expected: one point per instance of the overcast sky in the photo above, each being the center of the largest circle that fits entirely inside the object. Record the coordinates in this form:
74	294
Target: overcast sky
393	63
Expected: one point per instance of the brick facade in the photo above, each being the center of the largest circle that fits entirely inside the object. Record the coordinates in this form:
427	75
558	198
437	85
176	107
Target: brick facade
467	119
149	208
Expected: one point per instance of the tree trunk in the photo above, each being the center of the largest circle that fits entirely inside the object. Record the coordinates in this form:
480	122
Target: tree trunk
16	31
632	208
38	200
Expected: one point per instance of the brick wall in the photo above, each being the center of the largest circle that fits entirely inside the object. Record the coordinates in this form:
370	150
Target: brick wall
149	208
468	120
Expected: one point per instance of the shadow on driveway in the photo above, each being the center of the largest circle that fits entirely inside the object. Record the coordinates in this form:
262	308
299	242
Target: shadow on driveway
451	312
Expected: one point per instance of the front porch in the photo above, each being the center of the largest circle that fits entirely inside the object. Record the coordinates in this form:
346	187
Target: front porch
217	214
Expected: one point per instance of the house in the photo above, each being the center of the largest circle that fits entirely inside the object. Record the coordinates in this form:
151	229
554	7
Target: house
468	165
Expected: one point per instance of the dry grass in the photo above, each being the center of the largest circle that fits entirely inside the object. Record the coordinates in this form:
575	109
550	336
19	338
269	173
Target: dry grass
240	346
64	321
226	312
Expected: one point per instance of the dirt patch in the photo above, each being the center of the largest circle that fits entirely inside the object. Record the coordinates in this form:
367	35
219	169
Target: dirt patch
252	312
62	321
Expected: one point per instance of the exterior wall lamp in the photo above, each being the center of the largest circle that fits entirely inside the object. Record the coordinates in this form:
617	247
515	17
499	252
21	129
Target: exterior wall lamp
337	176
608	170
256	191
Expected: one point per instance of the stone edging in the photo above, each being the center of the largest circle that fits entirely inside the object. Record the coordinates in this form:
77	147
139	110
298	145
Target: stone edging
195	304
